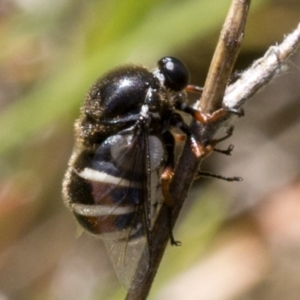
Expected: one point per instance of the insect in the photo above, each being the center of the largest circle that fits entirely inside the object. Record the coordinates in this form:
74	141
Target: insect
124	149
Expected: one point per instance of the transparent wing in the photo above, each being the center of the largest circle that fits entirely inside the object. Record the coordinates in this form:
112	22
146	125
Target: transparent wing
129	251
119	206
130	257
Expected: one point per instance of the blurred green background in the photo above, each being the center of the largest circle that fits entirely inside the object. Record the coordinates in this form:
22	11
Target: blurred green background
51	52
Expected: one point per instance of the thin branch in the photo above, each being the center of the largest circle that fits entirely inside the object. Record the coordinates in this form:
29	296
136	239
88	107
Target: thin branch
222	65
262	71
224	57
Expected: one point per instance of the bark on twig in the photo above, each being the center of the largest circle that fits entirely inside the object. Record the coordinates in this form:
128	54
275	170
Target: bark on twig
262	71
224	58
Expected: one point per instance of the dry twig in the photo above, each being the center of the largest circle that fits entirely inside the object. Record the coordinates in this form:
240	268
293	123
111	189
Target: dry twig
262	71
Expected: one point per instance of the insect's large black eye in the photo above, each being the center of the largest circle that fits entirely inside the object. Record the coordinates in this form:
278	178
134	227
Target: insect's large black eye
176	74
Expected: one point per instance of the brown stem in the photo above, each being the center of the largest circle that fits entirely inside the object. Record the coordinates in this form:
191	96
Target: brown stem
221	67
224	57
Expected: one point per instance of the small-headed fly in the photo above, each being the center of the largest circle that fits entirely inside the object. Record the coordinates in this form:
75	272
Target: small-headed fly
123	144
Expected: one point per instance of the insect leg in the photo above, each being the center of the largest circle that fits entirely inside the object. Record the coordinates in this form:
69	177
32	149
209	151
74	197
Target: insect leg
205	118
179	137
228	134
172	239
236	111
197	114
211	175
225	152
194	89
176	120
166	177
197	89
168	170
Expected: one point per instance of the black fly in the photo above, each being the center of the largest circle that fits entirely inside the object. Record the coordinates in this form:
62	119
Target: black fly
124	149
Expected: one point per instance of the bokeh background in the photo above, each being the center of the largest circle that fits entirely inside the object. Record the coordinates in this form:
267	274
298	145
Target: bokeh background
239	240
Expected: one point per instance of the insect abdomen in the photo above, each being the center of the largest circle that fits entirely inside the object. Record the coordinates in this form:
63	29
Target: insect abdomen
105	203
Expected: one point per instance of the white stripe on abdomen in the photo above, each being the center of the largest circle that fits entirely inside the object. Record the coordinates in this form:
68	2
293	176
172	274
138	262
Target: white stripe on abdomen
98	176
